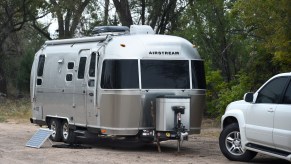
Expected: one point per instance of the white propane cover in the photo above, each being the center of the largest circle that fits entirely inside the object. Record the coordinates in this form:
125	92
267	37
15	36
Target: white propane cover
141	29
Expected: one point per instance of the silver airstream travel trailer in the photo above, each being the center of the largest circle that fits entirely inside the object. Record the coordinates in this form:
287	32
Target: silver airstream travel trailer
120	82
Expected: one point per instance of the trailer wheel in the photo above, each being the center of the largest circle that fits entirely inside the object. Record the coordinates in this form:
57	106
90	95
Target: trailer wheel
68	134
55	125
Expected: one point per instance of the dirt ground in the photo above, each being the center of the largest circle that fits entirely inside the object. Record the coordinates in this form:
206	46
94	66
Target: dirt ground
202	148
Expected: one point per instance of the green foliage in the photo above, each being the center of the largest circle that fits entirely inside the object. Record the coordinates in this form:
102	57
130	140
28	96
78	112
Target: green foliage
235	92
220	93
23	75
243	43
18	58
93	18
215	84
268	24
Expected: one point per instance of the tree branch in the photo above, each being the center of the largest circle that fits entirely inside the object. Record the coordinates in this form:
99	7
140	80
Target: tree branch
42	30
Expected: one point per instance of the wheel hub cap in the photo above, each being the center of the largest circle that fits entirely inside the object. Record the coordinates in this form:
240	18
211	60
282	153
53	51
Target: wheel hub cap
233	143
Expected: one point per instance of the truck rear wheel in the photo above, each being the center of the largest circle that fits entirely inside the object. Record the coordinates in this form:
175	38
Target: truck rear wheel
230	144
55	126
68	134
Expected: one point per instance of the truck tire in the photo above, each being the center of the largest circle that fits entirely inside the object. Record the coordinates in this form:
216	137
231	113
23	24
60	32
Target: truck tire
68	135
230	144
55	125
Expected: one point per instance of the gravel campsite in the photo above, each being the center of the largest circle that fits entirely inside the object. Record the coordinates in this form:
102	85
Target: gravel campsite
202	148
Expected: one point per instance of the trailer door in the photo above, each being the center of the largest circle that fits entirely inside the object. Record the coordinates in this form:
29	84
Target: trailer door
91	91
80	89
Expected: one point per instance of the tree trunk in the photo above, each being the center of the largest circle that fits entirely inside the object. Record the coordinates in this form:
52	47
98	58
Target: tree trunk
77	15
106	10
123	11
3	84
167	16
223	42
143	5
156	12
73	13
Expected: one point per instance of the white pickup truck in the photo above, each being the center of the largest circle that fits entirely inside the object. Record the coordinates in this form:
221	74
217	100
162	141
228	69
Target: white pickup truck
259	123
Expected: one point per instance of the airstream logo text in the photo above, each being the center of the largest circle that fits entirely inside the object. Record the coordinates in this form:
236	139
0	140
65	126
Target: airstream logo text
164	53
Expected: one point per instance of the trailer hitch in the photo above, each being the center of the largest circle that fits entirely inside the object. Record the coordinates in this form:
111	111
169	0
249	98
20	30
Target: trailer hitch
180	129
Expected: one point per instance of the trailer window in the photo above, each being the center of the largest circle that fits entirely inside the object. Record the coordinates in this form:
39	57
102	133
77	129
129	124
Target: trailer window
69	77
92	65
82	65
70	65
38	81
120	74
198	75
40	66
165	74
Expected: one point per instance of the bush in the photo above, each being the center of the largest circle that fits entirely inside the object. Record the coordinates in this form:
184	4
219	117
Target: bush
221	94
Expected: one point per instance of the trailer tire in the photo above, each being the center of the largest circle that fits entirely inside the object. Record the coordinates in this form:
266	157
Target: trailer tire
68	135
55	125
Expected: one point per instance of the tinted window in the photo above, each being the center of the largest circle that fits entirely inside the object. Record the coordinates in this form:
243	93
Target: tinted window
40	65
38	81
82	65
272	92
92	65
70	65
198	75
287	97
120	74
69	77
165	74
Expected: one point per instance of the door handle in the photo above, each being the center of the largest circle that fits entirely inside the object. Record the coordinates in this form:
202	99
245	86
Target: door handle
270	110
91	94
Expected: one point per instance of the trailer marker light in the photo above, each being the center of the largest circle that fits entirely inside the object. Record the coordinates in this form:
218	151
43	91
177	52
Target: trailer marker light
122	45
103	130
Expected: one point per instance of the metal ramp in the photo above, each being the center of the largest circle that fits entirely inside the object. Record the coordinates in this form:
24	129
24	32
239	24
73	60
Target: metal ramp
38	139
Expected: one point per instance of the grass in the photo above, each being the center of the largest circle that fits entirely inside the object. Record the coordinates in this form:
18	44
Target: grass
15	109
210	123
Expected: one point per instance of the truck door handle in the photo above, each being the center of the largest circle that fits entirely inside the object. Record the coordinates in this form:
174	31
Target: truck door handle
91	94
270	110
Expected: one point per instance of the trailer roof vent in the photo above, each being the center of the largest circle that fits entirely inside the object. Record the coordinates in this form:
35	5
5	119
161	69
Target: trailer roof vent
110	30
141	29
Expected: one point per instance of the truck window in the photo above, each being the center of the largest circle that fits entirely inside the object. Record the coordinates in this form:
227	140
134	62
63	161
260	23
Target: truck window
40	66
120	74
165	74
198	75
82	65
287	96
92	65
272	92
